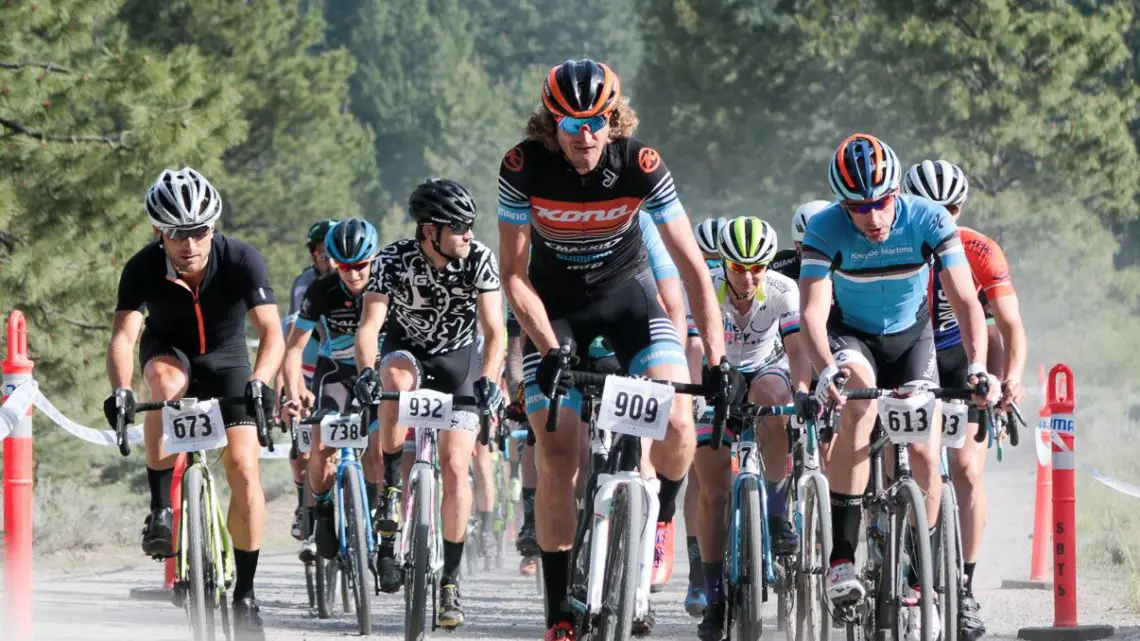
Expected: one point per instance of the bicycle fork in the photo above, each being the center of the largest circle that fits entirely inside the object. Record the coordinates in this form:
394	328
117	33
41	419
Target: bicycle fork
599	538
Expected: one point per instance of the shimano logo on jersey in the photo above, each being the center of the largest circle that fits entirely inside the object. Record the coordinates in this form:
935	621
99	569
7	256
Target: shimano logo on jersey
588	258
513	216
575	216
882	251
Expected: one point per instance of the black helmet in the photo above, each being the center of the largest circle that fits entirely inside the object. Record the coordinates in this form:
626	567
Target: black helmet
442	201
317	233
352	241
581	89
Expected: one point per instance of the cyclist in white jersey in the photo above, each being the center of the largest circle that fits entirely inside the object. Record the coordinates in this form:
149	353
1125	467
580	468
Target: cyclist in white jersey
761	310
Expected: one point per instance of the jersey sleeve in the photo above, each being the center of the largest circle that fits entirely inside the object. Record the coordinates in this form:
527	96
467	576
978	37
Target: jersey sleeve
256	290
789	310
660	262
383	270
132	292
486	277
310	309
940	233
987	261
514	196
819	250
296	293
652	178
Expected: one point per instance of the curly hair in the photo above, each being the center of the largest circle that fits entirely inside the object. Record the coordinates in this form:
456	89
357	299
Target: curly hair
542	126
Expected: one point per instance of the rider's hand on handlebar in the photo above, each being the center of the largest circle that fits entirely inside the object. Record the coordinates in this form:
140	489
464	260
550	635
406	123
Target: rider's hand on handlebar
826	391
548	367
121	398
258	392
1011	393
987	385
366	387
724	389
298	407
487	394
807	407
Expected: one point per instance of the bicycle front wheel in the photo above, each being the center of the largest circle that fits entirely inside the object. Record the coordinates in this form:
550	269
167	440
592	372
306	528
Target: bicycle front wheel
813	618
415	595
356	520
747	598
908	550
948	561
627	519
199	602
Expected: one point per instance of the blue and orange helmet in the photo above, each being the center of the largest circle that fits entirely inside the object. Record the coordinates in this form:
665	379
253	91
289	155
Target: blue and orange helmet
864	168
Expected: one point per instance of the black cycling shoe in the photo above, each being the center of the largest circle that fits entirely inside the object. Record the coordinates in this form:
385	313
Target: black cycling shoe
970	624
387	518
450	614
328	545
247	620
158	533
711	627
783	534
527	541
390	574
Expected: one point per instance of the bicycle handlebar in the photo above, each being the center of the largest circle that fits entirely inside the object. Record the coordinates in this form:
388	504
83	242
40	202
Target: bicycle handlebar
150	406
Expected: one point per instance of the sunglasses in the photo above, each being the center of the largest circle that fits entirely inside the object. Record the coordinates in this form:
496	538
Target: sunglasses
460	228
740	268
195	233
353	267
866	208
574	125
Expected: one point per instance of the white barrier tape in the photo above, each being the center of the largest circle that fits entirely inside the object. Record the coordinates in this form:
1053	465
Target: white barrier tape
1044	453
1115	484
16	407
82	432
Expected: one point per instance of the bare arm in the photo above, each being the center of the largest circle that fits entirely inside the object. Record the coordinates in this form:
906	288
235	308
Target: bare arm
514	362
491	318
958	283
673	300
514	254
271	347
293	379
368	330
125	331
815	306
678	236
799	361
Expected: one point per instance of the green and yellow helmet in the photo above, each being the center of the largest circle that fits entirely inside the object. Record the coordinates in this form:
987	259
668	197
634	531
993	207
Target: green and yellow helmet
748	240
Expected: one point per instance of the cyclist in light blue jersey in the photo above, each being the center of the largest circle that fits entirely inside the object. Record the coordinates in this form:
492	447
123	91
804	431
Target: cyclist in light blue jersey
874	247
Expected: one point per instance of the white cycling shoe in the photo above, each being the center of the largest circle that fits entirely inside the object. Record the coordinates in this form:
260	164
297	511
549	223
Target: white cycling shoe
843	585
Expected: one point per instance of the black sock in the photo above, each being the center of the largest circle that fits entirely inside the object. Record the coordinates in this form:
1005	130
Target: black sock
452	557
371	494
696	570
667	498
555	576
159	482
245	567
300	493
846	518
528	506
968	570
392	469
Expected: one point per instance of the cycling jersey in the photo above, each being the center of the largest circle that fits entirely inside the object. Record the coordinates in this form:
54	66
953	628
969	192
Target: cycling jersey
881	288
754	339
991	278
207	318
431	309
585	232
329	305
786	262
297	292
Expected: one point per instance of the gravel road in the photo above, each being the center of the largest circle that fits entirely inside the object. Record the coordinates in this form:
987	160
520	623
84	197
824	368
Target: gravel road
89	604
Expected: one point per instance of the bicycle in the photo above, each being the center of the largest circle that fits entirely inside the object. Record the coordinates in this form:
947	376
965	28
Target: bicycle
301	442
203	550
420	543
612	558
347	433
893	512
798	578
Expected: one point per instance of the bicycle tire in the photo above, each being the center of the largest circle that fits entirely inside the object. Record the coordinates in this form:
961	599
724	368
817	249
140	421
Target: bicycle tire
787	569
627	518
356	519
326	574
948	561
908	499
198	608
415	595
815	553
311	584
748	596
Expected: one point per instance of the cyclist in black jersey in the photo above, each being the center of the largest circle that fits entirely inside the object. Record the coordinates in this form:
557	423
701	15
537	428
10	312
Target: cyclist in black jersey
333	302
431	292
787	261
571	193
197	288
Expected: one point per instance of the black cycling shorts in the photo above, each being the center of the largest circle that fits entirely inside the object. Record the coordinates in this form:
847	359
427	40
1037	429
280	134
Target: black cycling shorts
627	314
221	373
896	359
453	372
952	371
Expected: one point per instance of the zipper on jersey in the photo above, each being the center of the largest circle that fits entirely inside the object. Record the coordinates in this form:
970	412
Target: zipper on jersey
197	312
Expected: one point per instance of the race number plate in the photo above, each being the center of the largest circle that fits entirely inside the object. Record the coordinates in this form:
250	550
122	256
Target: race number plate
908	420
197	427
636	407
954	421
343	431
304	438
425	408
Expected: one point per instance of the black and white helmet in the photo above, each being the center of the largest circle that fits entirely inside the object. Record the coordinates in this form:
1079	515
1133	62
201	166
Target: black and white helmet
181	199
708	234
938	180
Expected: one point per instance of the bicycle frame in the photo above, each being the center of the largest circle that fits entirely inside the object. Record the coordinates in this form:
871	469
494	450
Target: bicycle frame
423	472
219	542
751	466
349	463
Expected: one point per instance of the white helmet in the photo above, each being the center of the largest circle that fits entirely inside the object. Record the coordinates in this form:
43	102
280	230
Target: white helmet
748	240
708	234
803	214
938	180
182	198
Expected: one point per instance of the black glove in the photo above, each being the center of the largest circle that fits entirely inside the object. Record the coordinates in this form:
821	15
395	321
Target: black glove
487	394
366	386
730	390
807	407
120	398
256	393
544	375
